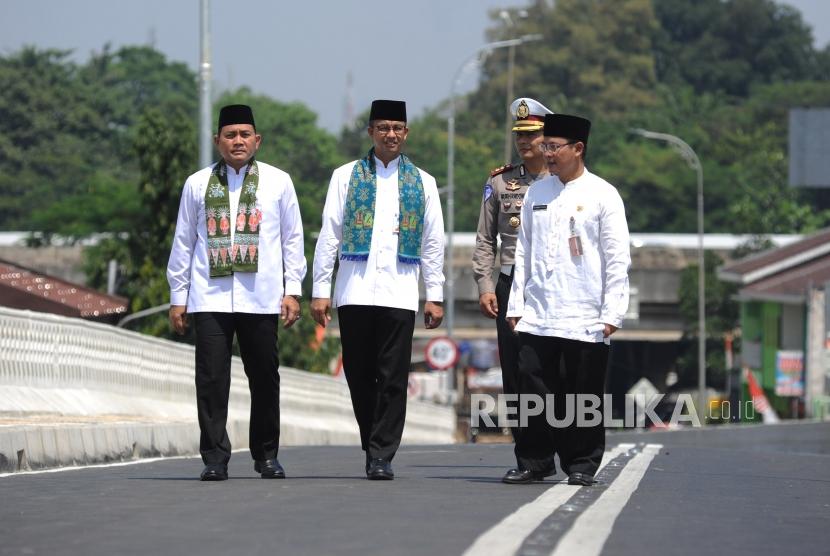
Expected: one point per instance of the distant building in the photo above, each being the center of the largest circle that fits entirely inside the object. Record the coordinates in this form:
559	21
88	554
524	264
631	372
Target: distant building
62	259
785	323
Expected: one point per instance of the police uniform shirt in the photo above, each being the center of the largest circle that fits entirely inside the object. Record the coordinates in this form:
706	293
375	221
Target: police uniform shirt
500	217
556	292
281	255
381	280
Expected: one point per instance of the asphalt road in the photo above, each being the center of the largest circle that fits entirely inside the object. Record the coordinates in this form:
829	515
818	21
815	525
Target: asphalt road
752	490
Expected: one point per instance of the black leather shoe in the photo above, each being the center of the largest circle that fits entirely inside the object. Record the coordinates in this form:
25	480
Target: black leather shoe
582	479
269	469
380	470
214	472
522	476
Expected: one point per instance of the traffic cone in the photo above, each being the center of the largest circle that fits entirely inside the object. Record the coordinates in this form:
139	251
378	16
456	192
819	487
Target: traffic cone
759	400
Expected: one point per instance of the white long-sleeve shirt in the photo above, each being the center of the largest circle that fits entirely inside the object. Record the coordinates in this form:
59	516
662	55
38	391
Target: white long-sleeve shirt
281	266
555	293
381	280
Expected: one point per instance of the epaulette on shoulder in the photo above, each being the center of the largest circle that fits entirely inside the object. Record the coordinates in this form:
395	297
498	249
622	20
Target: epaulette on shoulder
501	170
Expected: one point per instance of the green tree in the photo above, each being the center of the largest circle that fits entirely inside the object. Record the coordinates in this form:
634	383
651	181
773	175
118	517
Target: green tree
608	61
733	45
743	148
45	120
165	147
66	133
134	79
722	316
595	58
750	150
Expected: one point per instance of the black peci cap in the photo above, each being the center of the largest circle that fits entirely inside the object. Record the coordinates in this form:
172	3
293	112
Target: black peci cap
394	110
570	127
235	114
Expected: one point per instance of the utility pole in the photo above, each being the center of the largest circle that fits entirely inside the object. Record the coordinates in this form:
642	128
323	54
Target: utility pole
205	108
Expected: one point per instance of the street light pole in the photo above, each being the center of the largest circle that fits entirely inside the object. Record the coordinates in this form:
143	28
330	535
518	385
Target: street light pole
205	145
694	162
507	17
450	278
508	139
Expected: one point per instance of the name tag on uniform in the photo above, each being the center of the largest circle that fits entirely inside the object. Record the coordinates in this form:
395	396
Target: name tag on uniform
574	241
540	207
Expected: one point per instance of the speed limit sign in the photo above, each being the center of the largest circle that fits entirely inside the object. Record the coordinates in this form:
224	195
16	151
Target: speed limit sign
441	353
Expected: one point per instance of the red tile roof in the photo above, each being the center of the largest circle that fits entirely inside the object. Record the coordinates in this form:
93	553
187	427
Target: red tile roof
22	288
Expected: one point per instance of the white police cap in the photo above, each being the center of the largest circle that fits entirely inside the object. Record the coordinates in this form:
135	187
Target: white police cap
529	114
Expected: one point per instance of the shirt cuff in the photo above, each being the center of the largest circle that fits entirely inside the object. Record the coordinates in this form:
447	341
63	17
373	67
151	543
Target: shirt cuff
486	285
178	298
514	310
293	288
613	321
435	293
321	290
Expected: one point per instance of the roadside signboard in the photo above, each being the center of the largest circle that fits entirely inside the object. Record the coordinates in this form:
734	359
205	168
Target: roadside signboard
789	373
441	353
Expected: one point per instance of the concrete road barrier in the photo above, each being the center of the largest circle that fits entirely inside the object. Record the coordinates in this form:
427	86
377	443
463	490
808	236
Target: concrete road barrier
74	392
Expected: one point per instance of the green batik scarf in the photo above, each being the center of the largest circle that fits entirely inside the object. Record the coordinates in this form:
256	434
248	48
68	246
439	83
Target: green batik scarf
358	220
241	256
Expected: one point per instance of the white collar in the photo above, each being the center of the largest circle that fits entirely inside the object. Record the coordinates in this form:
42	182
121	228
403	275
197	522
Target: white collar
393	164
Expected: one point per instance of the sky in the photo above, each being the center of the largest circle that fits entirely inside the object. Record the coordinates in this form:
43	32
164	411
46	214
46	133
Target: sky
297	51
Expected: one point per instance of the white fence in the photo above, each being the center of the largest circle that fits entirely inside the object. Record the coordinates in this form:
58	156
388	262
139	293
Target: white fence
69	368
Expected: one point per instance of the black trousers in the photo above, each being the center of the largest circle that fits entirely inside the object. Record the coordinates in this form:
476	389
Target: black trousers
377	352
508	343
257	337
550	365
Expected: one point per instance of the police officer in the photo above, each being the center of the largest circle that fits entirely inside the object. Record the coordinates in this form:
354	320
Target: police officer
504	193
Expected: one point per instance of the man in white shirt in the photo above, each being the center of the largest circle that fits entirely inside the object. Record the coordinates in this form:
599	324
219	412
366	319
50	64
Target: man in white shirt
237	265
569	295
384	217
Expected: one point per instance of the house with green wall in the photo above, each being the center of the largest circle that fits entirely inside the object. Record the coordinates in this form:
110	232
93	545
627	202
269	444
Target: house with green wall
784	323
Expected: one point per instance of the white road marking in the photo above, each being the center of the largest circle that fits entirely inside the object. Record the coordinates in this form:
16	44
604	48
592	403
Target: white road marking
589	532
507	536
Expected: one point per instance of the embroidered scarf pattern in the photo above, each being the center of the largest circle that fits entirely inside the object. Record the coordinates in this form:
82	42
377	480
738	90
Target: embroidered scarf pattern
226	257
359	216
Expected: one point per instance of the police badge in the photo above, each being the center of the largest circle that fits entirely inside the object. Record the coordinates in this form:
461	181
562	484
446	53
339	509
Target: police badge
522	111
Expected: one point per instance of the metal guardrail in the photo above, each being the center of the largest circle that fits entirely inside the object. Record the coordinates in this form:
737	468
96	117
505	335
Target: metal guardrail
50	355
49	351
